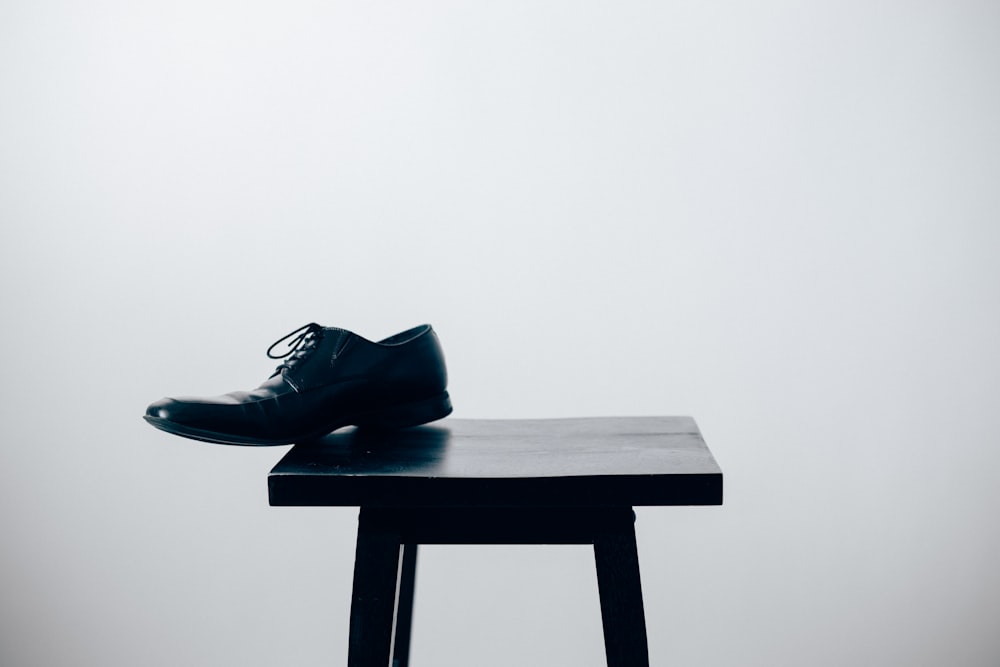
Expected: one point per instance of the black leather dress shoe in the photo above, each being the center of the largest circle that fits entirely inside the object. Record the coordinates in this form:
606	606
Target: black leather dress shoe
330	378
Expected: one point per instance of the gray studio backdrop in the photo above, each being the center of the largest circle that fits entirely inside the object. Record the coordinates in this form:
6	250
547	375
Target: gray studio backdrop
781	218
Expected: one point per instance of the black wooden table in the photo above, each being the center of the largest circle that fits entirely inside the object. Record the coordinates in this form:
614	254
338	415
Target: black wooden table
525	481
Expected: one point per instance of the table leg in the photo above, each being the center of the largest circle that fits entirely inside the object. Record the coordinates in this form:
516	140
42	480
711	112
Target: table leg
404	607
617	561
373	604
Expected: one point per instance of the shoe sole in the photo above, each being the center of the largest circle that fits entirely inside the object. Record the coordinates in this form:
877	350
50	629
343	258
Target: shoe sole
389	419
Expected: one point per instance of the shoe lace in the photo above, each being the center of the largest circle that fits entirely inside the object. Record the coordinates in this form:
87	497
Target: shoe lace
303	341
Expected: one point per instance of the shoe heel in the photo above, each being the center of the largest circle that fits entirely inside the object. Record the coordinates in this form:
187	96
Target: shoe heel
409	414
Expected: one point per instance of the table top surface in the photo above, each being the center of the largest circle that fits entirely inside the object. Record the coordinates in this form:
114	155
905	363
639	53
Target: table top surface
582	462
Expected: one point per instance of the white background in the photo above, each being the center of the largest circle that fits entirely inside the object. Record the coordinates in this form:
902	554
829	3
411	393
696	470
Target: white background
778	217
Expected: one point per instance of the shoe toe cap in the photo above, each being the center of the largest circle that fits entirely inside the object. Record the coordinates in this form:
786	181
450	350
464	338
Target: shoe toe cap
165	408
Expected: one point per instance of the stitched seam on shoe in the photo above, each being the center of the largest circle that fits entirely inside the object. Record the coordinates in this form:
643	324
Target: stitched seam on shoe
341	348
290	382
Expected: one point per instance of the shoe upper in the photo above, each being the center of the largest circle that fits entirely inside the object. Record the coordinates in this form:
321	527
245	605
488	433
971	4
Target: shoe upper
329	377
